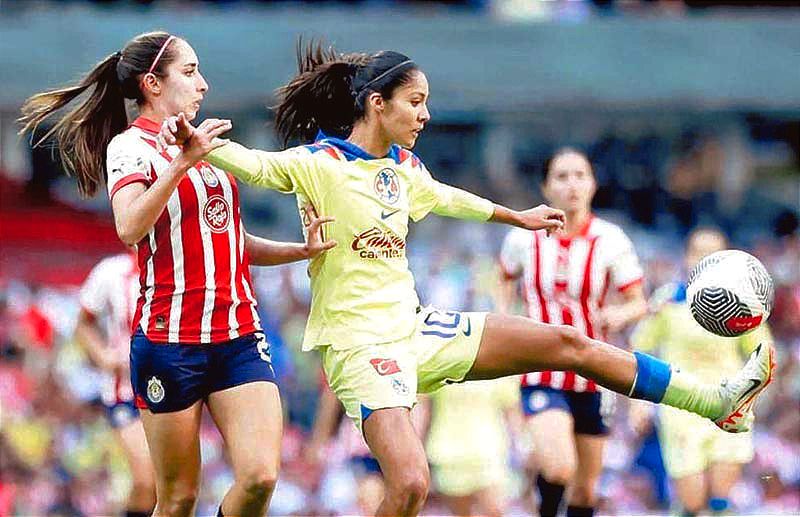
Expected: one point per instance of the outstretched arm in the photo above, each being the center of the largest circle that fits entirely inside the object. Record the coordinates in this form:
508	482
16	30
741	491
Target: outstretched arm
453	202
281	171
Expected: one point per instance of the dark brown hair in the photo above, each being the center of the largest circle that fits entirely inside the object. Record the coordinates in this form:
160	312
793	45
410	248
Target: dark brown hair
330	89
561	151
84	132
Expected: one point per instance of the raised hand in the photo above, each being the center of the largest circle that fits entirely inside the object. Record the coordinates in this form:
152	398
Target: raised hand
315	242
195	142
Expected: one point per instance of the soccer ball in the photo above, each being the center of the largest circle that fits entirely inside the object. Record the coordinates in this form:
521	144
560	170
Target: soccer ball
730	293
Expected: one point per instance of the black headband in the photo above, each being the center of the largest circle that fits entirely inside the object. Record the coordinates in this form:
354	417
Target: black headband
384	74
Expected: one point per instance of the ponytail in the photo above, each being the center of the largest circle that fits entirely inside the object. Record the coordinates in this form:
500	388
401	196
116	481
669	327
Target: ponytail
83	133
328	93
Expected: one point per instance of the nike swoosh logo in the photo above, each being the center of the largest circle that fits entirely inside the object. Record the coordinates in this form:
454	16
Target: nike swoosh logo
385	215
469	328
755	384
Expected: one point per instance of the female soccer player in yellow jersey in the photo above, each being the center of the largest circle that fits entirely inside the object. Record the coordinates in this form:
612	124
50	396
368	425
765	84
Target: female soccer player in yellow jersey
703	462
378	346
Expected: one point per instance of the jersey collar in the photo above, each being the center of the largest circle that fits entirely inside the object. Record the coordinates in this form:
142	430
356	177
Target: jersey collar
353	152
582	233
145	124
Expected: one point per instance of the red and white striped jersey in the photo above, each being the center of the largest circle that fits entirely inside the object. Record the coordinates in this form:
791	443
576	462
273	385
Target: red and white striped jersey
109	294
565	281
195	277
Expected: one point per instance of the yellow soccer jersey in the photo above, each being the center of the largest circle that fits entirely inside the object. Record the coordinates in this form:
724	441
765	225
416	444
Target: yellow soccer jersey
674	335
362	290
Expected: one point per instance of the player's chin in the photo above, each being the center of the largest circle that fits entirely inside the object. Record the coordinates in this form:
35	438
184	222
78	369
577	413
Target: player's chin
191	112
410	142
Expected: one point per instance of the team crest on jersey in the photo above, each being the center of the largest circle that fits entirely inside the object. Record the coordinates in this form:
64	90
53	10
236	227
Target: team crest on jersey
217	214
387	186
155	390
209	176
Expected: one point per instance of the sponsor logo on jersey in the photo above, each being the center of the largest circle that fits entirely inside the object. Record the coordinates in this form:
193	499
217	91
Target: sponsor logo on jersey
217	214
155	390
376	244
387	186
385	366
209	176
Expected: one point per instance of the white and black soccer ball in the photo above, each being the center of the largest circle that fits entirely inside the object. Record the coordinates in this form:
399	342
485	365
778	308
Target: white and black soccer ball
730	293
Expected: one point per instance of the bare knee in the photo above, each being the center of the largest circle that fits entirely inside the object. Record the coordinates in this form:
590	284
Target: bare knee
258	481
559	474
410	487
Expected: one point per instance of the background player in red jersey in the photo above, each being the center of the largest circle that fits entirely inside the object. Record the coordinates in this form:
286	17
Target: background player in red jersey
198	337
565	280
108	297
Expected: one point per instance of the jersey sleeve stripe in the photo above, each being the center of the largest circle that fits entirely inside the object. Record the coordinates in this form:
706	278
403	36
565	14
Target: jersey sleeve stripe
124	182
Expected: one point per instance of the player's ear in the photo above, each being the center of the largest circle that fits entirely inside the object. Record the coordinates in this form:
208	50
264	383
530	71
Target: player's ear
150	82
376	100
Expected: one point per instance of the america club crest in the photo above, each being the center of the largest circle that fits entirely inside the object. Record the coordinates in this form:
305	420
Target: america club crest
217	214
155	390
387	185
209	176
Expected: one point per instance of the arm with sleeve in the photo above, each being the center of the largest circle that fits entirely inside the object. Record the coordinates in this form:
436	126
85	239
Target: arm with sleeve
432	196
284	171
625	268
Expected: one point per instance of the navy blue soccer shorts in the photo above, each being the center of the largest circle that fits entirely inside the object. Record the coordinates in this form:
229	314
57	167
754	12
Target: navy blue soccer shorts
169	377
591	411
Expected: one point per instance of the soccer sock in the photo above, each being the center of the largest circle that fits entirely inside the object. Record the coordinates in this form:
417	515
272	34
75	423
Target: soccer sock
130	513
657	382
718	504
550	495
580	511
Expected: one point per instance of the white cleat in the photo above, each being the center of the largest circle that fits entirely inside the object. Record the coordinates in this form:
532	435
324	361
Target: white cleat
742	391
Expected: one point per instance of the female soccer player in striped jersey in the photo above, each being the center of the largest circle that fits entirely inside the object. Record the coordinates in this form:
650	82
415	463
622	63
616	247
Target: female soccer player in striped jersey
197	336
566	281
378	346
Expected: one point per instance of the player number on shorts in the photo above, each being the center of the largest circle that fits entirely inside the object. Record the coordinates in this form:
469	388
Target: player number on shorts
442	324
263	348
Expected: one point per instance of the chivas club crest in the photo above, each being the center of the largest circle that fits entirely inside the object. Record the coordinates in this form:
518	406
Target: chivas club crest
155	391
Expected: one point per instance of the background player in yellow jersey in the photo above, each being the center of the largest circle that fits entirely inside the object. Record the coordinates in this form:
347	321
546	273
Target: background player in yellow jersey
468	444
703	461
379	348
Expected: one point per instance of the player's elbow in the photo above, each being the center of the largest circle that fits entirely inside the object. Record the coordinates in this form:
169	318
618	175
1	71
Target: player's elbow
128	234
